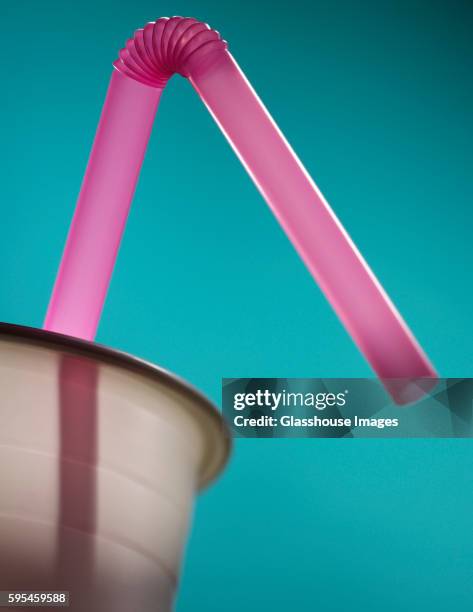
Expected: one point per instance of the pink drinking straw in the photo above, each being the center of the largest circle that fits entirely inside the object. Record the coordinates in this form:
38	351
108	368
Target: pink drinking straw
190	48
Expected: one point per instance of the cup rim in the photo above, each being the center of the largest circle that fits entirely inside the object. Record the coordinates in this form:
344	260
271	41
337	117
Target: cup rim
216	458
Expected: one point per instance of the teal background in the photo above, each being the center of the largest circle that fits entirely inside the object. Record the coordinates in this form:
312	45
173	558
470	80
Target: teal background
376	98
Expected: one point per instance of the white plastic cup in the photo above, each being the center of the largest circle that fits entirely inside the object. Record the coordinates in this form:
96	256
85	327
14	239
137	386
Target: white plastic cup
101	456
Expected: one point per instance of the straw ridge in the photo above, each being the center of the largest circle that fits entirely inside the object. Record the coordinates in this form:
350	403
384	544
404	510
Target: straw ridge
168	46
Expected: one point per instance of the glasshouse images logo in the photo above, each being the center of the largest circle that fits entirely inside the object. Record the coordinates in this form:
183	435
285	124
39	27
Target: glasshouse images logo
284	399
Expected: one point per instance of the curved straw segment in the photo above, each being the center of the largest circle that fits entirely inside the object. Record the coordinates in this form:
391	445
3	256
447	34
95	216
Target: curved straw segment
190	48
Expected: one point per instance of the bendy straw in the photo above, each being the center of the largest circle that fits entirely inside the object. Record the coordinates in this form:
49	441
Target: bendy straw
190	48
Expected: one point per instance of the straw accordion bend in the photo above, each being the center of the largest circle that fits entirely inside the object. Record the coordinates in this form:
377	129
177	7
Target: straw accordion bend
166	47
192	49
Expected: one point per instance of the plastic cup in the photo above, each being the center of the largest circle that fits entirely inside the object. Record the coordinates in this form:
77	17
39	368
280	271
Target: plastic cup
101	456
